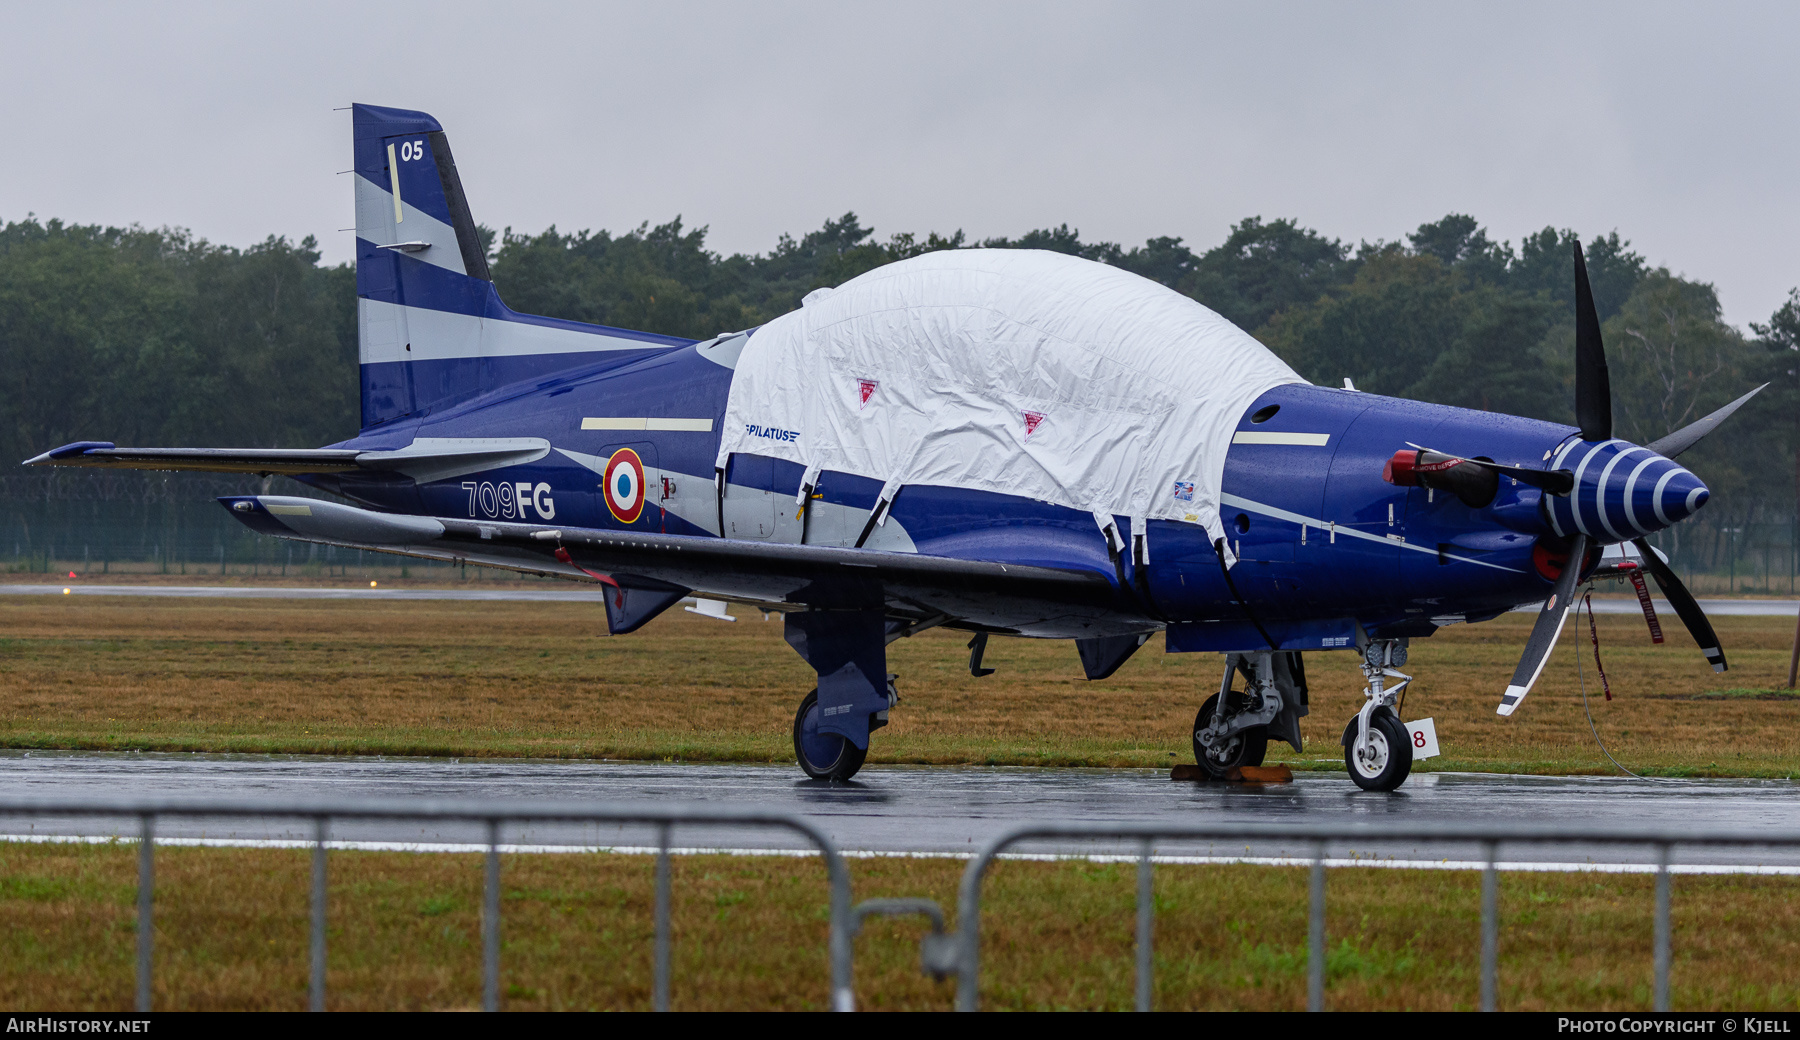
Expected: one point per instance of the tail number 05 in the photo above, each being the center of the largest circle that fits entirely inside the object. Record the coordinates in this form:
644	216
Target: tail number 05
410	150
510	500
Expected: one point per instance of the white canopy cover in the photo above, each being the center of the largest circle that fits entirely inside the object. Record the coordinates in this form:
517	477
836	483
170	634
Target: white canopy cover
1017	371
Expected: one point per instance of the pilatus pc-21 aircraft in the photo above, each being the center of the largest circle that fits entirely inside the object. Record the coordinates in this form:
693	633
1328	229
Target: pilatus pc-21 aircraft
1004	442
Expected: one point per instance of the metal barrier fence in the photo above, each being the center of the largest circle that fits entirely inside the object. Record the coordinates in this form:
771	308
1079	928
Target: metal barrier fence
965	958
845	919
942	953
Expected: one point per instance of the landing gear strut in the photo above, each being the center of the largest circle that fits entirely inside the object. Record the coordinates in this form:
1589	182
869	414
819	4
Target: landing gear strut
1377	748
848	651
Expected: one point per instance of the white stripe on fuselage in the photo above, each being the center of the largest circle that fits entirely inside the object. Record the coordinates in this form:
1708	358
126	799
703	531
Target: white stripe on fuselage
653	424
1348	532
1303	440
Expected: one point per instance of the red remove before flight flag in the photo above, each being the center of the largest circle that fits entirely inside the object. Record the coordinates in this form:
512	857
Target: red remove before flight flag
1643	594
1032	421
865	389
605	579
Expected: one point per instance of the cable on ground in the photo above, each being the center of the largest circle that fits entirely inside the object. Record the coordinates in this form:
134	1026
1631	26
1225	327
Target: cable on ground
1594	632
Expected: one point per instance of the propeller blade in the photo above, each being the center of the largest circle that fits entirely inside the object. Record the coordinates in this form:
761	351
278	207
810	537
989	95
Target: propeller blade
1683	601
1689	435
1593	387
1548	627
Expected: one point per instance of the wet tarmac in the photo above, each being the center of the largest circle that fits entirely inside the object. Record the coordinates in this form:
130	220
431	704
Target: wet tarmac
902	810
567	594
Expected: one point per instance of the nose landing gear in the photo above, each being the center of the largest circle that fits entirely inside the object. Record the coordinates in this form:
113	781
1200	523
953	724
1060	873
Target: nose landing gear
1377	747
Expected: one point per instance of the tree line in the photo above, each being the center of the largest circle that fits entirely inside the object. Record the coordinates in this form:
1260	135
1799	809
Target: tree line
155	337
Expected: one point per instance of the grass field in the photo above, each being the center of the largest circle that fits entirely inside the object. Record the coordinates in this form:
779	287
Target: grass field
541	679
538	679
749	933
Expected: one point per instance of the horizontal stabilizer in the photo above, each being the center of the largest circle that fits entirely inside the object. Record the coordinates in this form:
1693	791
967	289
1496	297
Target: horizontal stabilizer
424	460
104	455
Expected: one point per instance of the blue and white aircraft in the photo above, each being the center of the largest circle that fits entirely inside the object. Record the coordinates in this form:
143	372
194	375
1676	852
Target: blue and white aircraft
995	441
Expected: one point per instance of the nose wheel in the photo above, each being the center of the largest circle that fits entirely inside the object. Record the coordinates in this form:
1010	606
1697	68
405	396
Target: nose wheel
823	756
1382	762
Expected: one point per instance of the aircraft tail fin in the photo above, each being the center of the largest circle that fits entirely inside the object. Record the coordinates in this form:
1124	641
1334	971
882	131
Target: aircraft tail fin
431	328
409	197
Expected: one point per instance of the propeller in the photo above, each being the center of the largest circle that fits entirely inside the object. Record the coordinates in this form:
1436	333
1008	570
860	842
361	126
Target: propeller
1549	626
1689	435
1593	386
1683	601
1593	413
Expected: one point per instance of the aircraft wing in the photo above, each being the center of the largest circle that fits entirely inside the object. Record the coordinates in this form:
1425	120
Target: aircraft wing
1068	603
425	459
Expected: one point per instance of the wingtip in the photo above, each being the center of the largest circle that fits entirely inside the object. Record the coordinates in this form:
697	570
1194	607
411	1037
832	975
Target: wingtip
67	451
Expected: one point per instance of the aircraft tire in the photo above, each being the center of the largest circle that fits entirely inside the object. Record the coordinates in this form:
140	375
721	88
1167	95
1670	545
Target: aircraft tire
1251	744
1392	753
823	756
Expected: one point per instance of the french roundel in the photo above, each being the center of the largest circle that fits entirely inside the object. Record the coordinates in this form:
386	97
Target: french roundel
625	485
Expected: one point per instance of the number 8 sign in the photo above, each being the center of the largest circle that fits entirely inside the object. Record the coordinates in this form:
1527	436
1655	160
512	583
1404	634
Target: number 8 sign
1424	739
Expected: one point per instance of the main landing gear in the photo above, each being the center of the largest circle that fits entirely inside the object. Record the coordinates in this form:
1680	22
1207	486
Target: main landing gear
1377	747
847	649
827	756
1268	708
823	756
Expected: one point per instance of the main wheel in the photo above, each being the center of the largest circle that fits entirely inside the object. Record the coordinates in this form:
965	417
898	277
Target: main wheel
1243	748
1388	759
823	756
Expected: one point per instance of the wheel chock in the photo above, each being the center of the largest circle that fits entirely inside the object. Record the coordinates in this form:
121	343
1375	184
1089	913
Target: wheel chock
1276	774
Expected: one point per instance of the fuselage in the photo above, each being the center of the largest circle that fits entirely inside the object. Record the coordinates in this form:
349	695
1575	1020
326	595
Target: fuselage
1321	542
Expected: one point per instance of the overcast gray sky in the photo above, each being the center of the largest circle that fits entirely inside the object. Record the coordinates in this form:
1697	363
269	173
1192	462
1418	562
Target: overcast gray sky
1674	124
